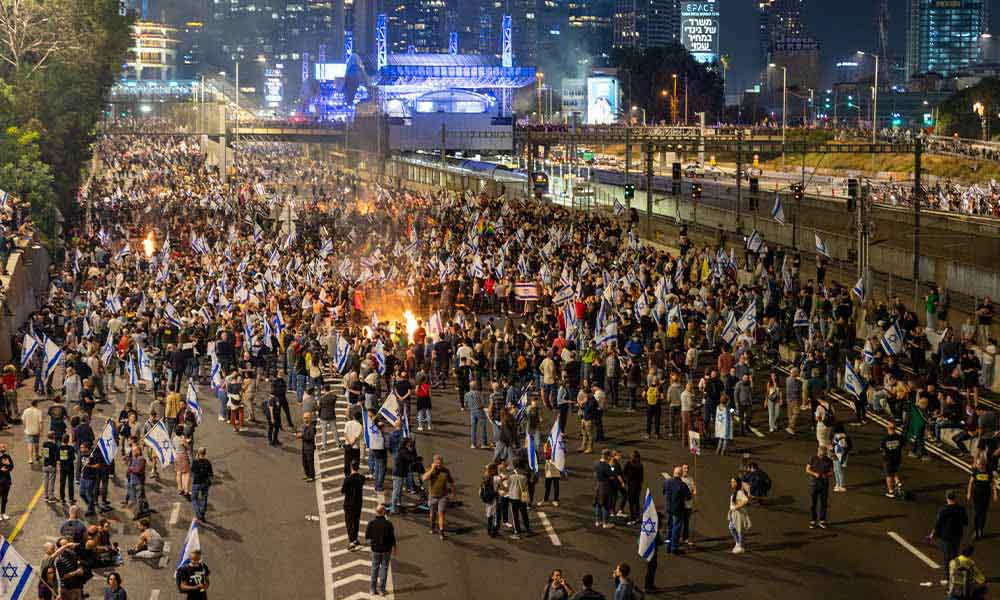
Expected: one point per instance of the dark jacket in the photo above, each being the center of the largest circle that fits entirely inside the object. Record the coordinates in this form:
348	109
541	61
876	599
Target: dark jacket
675	494
328	407
951	521
381	535
352	490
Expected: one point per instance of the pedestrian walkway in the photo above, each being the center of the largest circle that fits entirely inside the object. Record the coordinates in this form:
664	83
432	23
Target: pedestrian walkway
346	572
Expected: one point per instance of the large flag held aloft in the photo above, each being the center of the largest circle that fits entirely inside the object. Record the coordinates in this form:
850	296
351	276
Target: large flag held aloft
192	542
159	440
648	527
16	573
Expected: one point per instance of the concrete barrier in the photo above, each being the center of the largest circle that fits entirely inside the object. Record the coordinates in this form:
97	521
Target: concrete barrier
25	288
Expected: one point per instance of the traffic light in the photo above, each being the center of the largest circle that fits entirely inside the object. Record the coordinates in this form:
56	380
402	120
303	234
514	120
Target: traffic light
629	191
852	195
696	192
797	192
754	185
677	170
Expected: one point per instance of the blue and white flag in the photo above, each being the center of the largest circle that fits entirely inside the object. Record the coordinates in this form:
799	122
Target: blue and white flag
749	318
529	442
192	401
619	208
15	584
379	354
730	332
853	382
279	323
171	313
373	435
340	353
778	212
29	346
648	528
569	316
133	374
406	425
821	246
145	365
218	381
558	445
87	332
159	440
390	408
192	542
801	319
108	443
892	340
53	354
755	241
4	196
563	295
434	325
859	289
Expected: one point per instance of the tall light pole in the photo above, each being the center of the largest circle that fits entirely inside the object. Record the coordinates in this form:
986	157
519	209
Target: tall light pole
784	106
874	94
673	102
538	80
635	108
980	109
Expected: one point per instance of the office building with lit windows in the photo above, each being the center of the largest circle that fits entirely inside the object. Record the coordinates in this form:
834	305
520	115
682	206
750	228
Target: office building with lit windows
943	36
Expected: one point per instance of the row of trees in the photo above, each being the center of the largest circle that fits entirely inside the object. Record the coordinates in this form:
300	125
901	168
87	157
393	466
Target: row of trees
58	59
957	114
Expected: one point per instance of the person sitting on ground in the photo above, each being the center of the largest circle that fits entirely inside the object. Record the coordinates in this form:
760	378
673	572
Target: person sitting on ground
149	544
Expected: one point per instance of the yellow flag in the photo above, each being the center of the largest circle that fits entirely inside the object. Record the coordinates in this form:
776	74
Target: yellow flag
704	268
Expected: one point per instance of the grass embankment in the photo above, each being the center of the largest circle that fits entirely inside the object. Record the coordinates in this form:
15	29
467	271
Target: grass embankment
948	167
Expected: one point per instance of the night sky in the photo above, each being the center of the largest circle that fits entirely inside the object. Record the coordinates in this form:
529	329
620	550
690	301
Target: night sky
842	27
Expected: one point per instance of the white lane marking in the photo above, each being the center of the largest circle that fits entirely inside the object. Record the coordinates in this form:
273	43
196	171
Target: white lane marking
344	551
154	595
913	550
166	554
175	513
364	511
549	529
365	577
325	540
350	565
332	477
753	429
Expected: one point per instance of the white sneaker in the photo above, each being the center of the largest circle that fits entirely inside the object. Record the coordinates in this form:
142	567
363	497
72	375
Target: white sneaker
221	419
737	549
5	517
554	503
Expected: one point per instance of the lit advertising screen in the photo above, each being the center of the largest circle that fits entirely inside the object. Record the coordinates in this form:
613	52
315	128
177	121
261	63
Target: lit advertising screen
273	87
700	30
602	100
330	71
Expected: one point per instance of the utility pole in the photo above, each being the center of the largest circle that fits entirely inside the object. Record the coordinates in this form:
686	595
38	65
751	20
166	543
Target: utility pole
649	190
917	193
628	159
739	178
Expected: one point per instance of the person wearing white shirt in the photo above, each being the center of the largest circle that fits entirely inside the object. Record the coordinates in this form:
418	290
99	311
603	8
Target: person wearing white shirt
353	430
31	418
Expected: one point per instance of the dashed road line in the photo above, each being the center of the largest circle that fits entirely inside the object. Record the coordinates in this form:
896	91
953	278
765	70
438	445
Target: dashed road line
166	554
175	513
914	550
549	529
324	535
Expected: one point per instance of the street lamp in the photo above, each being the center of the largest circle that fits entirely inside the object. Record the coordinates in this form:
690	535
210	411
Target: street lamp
784	106
980	109
539	76
635	108
874	95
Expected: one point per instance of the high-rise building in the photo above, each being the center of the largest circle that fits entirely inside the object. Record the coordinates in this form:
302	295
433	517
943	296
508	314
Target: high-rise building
880	45
524	16
645	24
779	20
364	14
590	26
943	36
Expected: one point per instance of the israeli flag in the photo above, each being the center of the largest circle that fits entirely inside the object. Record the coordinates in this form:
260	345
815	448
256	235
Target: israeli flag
730	331
529	441
133	375
373	435
258	233
821	246
434	325
192	542
778	212
53	354
340	353
192	401
17	573
619	208
279	323
29	346
406	426
171	313
800	319
159	440
390	408
648	529
267	334
569	316
565	294
749	318
558	445
892	340
853	382
218	382
859	289
145	365
380	359
755	241
108	443
86	328
3	199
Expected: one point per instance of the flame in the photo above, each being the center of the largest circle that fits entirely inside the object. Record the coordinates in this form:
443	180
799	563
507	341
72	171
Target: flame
411	323
149	245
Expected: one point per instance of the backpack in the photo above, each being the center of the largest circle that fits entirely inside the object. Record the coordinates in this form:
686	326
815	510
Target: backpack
486	492
848	444
961	581
760	487
829	418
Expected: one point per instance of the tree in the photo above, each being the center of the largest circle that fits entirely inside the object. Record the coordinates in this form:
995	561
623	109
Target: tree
648	76
956	115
